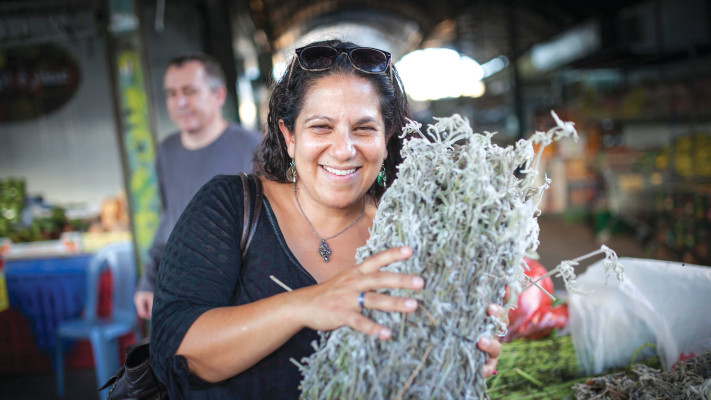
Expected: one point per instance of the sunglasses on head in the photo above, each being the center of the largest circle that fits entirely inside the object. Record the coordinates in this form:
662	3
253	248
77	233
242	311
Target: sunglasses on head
322	57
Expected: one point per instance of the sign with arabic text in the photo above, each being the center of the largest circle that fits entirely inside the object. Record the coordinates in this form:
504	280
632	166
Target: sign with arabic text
35	80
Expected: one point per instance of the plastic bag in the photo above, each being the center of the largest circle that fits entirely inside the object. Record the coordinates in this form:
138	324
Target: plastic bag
534	318
658	302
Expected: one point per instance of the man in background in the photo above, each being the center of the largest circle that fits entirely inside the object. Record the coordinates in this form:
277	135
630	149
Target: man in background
204	146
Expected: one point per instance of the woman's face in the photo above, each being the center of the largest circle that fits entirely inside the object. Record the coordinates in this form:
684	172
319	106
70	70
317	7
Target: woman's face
338	142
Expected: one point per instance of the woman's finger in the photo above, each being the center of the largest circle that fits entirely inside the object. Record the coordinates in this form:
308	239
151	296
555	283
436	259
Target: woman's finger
488	370
497	311
379	260
490	346
363	324
493	349
382	302
389	280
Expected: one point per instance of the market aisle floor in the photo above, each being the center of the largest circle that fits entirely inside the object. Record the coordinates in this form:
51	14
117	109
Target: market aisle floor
562	241
559	241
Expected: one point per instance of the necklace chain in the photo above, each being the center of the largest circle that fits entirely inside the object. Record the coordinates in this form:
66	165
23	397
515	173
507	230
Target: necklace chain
324	250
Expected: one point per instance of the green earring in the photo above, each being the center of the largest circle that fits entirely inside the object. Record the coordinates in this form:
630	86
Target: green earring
382	178
291	171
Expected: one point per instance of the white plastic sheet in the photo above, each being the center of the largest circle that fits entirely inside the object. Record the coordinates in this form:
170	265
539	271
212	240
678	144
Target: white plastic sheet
663	303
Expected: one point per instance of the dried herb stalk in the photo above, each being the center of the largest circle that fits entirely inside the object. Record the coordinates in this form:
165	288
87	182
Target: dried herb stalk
468	209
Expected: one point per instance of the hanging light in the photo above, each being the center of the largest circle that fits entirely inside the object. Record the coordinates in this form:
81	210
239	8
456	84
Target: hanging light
438	73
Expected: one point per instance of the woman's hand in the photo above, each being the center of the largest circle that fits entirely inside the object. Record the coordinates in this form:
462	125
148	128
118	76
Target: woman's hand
340	300
492	346
144	304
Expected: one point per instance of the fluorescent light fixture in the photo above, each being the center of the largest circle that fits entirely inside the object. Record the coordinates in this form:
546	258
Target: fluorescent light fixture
495	65
571	45
439	73
247	106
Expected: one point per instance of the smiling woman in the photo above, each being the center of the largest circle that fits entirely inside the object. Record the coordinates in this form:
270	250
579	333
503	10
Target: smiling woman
338	147
221	326
338	141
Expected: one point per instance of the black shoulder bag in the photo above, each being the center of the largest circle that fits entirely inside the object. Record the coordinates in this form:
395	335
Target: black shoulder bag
136	380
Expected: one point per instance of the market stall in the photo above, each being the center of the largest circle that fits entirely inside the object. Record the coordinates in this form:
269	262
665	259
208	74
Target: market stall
46	255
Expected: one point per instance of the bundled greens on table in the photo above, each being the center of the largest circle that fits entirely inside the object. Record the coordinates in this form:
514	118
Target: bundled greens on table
535	369
468	208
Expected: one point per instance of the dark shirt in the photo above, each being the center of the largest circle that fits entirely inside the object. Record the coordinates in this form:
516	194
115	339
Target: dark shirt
202	269
181	172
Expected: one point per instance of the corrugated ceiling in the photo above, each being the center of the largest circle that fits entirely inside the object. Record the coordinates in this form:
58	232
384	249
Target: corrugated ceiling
482	29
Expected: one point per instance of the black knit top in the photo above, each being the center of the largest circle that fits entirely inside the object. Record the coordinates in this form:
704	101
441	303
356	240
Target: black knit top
202	268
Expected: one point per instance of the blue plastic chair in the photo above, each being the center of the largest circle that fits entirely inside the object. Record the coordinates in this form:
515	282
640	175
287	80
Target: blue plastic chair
103	332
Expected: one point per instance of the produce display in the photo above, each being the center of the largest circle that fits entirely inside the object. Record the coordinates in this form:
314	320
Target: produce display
28	219
668	200
12	202
690	380
14	224
469	209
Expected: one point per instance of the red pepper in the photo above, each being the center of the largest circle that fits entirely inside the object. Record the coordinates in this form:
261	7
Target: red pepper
534	318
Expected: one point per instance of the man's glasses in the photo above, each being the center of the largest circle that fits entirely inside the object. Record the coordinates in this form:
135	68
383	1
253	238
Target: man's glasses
321	58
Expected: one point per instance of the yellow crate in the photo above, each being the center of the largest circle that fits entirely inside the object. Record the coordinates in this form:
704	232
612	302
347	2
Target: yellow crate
93	241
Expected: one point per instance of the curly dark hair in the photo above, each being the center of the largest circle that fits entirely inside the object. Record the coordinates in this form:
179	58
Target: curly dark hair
272	159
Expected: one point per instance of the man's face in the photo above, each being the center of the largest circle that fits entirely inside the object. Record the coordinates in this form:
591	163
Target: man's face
191	103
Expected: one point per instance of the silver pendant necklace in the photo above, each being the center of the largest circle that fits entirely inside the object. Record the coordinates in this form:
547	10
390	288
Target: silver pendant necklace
324	250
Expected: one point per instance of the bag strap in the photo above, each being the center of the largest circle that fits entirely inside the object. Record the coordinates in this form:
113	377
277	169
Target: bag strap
252	212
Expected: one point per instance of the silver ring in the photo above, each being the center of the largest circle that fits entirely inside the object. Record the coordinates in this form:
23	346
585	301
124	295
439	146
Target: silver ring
361	299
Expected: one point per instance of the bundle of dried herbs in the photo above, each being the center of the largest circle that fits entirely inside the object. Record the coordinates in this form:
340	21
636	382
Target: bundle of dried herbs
690	380
468	208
